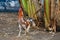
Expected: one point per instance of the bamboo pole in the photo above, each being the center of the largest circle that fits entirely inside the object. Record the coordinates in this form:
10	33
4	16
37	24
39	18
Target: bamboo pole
31	9
59	6
53	15
52	8
47	13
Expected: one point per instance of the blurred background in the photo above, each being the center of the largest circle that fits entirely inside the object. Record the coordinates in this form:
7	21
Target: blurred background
9	5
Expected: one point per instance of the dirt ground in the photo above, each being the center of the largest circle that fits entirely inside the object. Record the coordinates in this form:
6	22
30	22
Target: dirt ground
9	30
